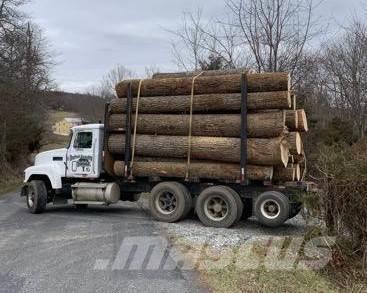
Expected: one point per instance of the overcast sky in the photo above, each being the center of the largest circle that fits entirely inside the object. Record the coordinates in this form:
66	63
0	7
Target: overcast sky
89	37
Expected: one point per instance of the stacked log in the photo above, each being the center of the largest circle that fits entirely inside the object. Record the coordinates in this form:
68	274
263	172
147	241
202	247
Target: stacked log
199	136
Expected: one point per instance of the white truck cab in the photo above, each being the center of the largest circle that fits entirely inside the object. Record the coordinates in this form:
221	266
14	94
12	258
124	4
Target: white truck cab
80	164
81	159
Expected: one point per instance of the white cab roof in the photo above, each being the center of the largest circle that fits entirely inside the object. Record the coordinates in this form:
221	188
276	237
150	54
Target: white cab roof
88	127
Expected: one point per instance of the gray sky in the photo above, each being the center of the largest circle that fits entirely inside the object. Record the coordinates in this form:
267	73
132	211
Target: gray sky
89	37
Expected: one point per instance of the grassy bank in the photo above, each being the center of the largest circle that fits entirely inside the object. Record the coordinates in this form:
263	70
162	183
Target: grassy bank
330	279
336	276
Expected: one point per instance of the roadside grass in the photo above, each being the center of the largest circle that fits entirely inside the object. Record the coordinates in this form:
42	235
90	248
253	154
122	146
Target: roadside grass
337	276
231	279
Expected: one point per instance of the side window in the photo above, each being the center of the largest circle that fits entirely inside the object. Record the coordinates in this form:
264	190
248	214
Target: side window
83	140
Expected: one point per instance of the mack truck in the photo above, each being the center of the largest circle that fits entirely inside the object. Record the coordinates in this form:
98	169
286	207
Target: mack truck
80	174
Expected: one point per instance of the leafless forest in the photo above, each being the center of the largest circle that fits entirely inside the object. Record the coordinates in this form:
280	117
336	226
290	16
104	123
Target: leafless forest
329	74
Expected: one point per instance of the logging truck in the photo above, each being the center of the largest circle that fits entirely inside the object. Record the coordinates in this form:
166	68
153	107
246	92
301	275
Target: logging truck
100	167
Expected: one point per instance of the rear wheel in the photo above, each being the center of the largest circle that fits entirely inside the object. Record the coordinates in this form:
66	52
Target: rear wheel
36	196
170	202
240	205
217	207
272	208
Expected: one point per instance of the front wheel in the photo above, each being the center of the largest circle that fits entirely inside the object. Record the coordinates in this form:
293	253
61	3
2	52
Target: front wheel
36	196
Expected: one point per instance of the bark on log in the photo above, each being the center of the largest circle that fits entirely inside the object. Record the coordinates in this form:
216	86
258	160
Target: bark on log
295	143
205	103
291	120
204	170
160	75
260	151
283	174
260	125
225	84
302	121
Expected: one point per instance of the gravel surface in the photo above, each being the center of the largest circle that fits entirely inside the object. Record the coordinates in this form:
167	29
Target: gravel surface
195	233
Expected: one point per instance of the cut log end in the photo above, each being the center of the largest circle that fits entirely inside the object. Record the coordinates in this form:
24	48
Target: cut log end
302	120
295	143
297	169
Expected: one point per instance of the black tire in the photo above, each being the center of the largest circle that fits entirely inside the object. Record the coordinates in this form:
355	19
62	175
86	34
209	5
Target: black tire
272	208
217	195
170	202
240	205
188	200
36	196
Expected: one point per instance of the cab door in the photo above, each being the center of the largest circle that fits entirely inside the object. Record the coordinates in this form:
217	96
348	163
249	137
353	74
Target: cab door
81	161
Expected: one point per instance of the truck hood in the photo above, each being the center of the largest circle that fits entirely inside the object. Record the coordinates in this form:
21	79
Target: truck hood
58	155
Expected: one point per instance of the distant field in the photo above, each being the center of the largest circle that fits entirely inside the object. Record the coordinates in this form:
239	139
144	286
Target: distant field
51	140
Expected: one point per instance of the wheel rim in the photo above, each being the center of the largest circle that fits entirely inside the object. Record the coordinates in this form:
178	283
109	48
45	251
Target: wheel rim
270	209
216	208
166	203
31	196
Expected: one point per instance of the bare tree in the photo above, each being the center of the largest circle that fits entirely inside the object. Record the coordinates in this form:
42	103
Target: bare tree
151	70
188	40
221	39
24	75
275	31
106	89
346	67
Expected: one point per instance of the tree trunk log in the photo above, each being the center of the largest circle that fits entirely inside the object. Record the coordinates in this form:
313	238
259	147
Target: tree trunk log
160	75
204	170
212	103
295	143
260	125
283	174
302	121
291	120
225	84
260	151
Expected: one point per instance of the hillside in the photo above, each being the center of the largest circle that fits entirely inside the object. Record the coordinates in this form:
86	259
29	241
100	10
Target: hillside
87	106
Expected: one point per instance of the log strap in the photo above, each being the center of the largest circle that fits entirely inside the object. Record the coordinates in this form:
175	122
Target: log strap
135	128
190	126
